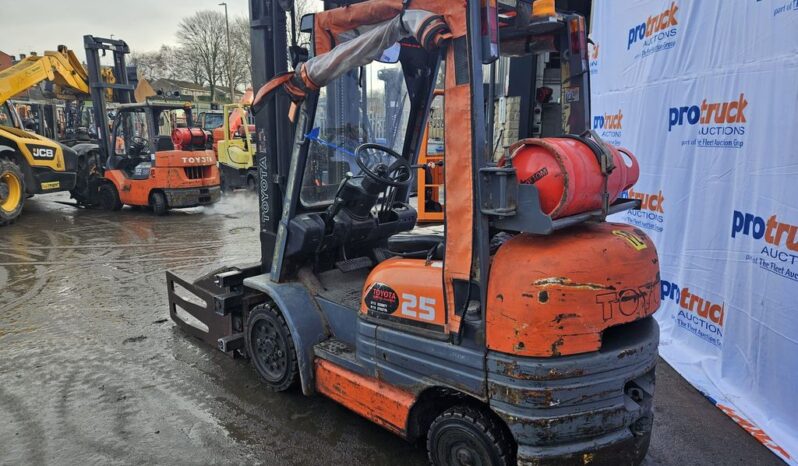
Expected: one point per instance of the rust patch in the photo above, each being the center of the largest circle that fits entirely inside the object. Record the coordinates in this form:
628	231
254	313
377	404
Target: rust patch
560	317
555	346
627	352
511	369
562	281
519	397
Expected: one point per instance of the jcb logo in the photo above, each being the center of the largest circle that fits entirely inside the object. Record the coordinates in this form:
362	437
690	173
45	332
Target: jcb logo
42	153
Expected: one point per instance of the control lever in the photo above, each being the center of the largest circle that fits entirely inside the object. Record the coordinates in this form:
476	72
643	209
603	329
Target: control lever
335	207
427	166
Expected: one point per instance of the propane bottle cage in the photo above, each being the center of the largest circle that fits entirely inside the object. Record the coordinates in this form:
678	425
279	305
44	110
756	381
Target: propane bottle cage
516	206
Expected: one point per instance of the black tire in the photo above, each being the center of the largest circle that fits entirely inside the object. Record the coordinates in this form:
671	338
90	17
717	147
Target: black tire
223	184
109	197
252	184
158	204
12	191
465	435
271	348
85	191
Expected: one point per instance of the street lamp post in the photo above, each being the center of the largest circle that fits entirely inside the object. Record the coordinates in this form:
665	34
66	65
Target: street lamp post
229	57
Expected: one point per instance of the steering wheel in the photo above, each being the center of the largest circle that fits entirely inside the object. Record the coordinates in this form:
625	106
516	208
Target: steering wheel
137	145
380	172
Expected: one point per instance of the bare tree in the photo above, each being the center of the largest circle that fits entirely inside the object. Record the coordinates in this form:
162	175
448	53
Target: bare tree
148	64
241	56
202	35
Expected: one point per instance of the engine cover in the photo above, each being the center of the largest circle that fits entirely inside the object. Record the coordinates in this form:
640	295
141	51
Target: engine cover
555	295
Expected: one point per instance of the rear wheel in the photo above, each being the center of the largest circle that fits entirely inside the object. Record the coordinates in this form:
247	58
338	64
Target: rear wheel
468	436
158	204
12	191
109	197
271	348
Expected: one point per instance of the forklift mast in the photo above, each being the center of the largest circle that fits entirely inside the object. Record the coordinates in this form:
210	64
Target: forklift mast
269	38
122	89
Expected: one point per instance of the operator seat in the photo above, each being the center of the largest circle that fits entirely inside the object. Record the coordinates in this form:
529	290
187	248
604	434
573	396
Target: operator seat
164	143
417	246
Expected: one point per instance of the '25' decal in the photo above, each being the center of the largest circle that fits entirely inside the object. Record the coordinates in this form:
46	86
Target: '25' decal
418	307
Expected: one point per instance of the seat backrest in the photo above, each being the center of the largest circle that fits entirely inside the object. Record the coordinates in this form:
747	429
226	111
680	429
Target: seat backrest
165	143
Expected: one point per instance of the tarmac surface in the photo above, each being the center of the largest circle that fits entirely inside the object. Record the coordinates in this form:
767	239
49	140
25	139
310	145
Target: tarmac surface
92	371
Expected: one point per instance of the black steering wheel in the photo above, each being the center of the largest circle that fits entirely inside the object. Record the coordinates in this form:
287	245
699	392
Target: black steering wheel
381	172
137	145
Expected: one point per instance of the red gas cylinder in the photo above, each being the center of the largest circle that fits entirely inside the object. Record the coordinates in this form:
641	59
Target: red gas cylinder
218	135
567	173
188	137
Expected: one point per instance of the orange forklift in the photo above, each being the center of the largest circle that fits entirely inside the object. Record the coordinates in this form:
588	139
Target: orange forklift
521	335
150	155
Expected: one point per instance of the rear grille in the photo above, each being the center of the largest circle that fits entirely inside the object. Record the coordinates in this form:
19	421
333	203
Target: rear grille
197	173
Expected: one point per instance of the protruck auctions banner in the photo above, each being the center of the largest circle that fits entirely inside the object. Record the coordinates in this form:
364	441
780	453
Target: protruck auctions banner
705	94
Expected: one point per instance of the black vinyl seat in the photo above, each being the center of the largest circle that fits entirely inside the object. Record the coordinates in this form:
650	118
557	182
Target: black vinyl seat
416	246
165	143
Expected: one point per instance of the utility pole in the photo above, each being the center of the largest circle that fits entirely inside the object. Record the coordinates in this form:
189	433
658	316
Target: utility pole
229	57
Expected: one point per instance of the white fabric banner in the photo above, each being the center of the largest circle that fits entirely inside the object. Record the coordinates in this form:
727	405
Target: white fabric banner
705	94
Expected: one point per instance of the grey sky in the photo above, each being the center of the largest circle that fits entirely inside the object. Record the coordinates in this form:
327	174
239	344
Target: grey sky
39	25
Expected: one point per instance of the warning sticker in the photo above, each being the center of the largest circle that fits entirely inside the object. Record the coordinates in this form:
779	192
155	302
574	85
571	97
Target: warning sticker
382	299
635	241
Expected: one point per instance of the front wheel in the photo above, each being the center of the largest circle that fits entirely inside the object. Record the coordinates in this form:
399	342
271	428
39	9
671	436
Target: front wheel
12	191
468	436
109	197
271	348
252	184
158	204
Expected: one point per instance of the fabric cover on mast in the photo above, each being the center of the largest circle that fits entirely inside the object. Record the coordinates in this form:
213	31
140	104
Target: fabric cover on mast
371	42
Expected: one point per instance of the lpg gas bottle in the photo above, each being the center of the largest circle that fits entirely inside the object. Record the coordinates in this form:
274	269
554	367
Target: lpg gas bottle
188	137
567	173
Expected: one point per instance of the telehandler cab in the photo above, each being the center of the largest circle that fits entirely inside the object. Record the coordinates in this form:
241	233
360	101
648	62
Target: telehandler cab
520	335
151	156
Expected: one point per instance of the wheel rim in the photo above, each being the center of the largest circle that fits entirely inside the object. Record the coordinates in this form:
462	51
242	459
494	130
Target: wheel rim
10	192
270	350
458	447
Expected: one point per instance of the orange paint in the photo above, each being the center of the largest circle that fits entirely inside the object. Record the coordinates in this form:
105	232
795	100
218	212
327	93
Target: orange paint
555	295
377	401
170	171
415	286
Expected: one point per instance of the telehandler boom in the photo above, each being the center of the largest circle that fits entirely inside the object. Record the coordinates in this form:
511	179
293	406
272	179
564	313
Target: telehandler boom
30	163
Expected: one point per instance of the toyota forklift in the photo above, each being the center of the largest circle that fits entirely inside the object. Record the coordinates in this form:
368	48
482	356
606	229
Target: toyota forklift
521	335
150	155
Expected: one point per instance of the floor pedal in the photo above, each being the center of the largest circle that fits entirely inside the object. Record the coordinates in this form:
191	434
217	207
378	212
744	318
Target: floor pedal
352	265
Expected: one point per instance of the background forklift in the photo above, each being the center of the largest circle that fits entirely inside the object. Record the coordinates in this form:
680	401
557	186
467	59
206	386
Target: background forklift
517	336
152	155
234	146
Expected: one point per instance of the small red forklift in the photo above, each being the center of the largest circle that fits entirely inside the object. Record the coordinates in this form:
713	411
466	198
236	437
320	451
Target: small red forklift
150	156
521	335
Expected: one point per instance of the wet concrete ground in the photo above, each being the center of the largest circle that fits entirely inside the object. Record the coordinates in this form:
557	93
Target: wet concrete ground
93	372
